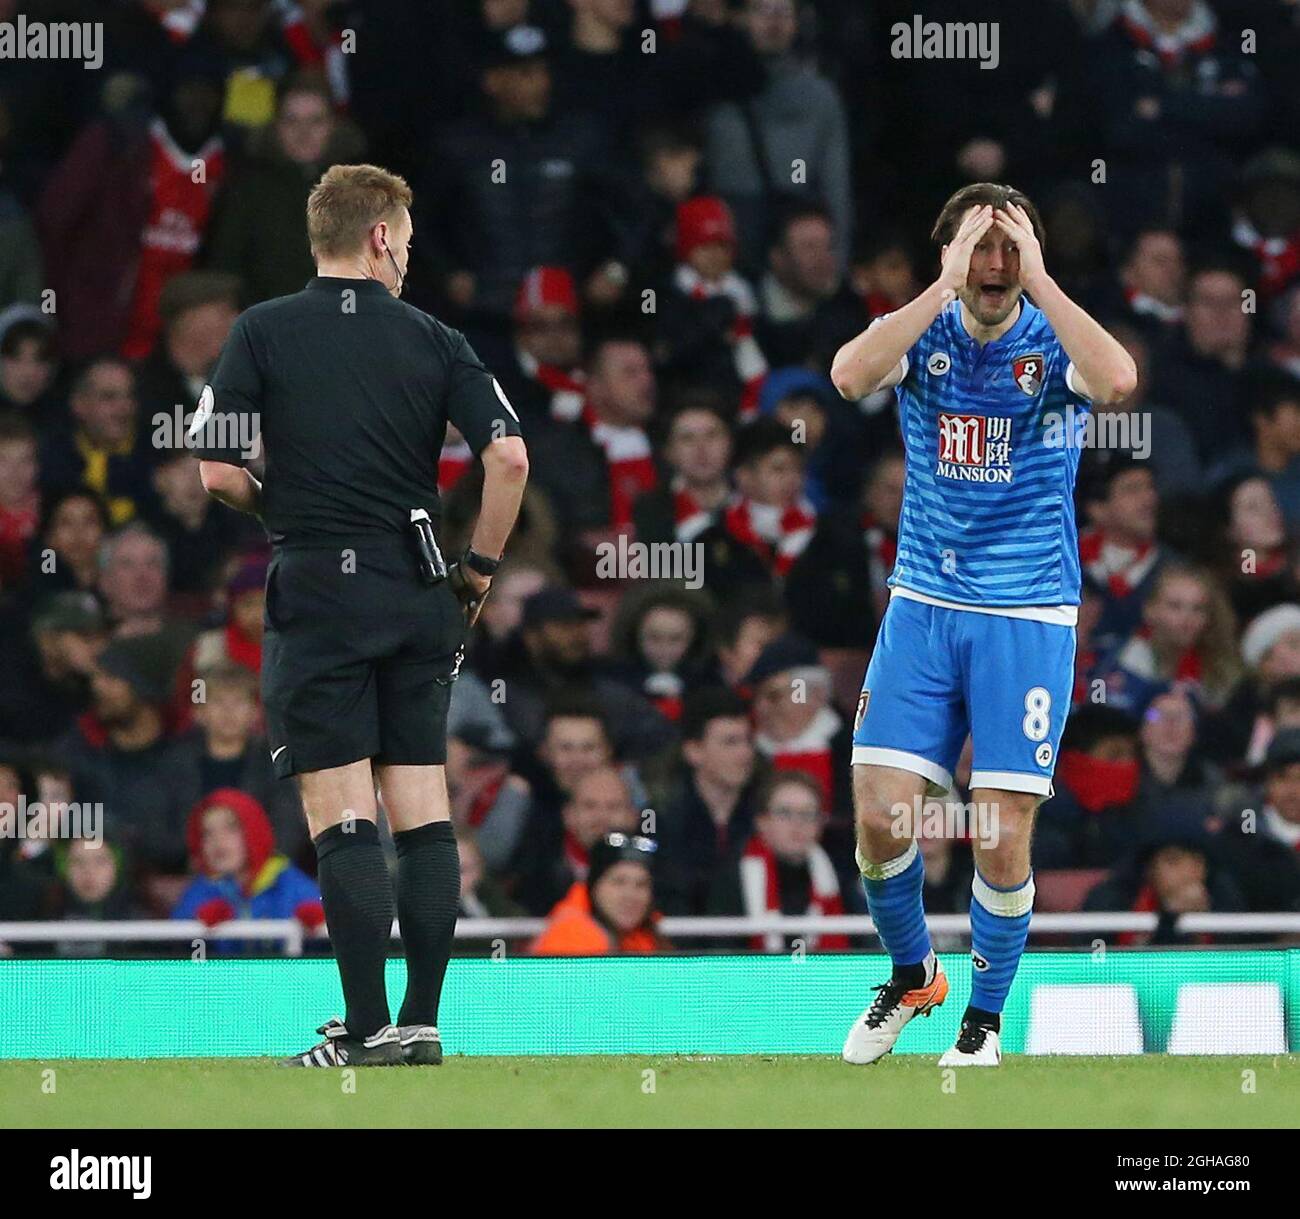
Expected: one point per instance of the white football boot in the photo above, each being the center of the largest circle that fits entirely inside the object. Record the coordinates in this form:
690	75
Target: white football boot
875	1031
977	1046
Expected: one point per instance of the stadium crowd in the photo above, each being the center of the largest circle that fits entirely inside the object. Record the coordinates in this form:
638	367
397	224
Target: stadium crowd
656	222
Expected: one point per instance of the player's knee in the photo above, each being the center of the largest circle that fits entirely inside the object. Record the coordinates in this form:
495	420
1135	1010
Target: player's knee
880	807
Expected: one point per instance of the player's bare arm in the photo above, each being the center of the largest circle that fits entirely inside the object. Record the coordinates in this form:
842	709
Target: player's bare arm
874	359
232	485
1104	371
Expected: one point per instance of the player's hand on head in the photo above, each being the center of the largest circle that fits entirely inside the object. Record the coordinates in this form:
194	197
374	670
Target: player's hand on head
1016	225
957	256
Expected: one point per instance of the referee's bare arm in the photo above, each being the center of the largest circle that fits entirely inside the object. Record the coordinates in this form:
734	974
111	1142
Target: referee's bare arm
232	485
505	472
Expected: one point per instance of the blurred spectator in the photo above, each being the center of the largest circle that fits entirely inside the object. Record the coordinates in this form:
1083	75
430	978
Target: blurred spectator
197	310
795	726
660	644
613	910
599	804
1254	555
229	749
796	118
480	895
559	204
1266	222
1270	648
837	590
829	430
1171	872
1200	372
73	528
28	364
106	446
128	208
771	515
487	801
25	890
1284	352
707	812
551	653
807	311
706	326
20	498
239	641
94	883
118	755
594	468
783	869
1262	847
1117	537
257	233
199	533
237	872
1095	814
1171	769
745	627
545	378
1187	637
1173	97
1153	276
1274	447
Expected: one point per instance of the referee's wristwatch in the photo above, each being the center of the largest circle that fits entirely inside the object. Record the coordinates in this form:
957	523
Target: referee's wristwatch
480	563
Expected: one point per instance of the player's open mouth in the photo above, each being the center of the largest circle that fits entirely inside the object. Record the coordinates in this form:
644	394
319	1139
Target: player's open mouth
993	294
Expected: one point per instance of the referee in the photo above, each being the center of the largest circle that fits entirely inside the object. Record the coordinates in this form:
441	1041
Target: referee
349	392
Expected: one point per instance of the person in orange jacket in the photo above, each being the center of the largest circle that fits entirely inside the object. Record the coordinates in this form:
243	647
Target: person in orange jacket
612	911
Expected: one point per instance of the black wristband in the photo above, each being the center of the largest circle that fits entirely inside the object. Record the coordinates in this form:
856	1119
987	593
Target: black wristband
480	563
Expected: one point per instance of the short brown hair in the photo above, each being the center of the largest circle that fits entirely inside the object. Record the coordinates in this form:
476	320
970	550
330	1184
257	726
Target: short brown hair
347	203
977	194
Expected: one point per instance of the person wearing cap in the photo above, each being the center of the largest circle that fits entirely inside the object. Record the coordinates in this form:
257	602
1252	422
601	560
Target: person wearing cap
349	391
68	632
1266	221
612	911
795	725
706	327
550	654
546	379
1270	649
770	514
561	203
1260	843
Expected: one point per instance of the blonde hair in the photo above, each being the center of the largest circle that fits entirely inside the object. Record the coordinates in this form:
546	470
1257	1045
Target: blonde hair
347	203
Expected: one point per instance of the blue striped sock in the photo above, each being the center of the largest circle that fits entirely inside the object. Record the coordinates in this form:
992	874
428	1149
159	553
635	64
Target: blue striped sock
893	890
999	927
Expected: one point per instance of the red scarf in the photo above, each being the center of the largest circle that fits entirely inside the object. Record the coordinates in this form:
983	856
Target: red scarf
776	536
761	893
689	516
1120	568
1146	902
568	389
455	459
1195	36
1095	784
1278	257
630	460
747	357
243	650
17	527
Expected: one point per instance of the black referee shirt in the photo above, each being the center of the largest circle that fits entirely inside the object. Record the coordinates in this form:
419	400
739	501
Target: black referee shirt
347	392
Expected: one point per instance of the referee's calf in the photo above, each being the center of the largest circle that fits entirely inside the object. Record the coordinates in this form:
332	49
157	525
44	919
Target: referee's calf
348	392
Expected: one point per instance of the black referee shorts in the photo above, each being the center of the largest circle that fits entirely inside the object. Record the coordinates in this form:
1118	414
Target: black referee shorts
358	658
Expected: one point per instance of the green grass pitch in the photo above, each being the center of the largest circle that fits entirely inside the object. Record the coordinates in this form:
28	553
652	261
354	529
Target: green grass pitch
785	1091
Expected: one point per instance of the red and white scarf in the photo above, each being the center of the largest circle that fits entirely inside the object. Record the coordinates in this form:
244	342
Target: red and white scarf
809	752
1148	306
690	517
1194	37
1116	567
778	535
761	893
455	459
568	389
631	465
747	356
1278	257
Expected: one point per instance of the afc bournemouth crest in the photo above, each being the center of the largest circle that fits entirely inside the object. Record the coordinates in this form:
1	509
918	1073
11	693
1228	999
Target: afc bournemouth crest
1027	372
863	699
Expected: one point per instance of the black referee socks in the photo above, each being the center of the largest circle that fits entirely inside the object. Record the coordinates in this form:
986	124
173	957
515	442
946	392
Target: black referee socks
357	893
428	894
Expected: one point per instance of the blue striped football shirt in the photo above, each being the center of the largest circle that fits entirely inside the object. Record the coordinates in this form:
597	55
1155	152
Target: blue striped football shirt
992	454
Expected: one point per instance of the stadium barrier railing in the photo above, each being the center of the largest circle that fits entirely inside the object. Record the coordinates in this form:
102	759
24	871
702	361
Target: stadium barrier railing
293	936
